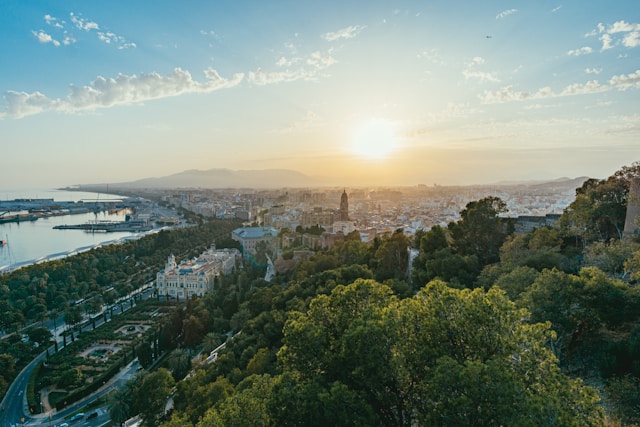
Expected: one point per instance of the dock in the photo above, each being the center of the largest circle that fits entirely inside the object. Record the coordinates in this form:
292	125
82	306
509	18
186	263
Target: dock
108	226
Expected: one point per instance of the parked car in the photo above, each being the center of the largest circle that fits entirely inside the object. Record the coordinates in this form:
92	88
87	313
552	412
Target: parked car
92	415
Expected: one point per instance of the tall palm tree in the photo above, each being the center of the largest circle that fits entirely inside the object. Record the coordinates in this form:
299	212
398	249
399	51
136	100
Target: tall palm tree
119	408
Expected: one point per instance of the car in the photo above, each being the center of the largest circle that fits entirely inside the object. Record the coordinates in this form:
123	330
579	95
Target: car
77	417
92	415
63	425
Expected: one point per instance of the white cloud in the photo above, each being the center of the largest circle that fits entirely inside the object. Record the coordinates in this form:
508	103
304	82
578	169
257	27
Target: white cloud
593	70
632	39
110	38
262	78
624	82
68	39
344	33
555	9
471	71
52	21
606	42
43	37
506	13
83	24
108	92
321	60
622	33
623	27
479	75
508	94
582	51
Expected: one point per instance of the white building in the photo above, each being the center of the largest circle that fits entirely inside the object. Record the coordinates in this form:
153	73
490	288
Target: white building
194	277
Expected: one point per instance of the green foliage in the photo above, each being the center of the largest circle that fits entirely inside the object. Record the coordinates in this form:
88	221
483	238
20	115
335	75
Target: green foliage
599	209
441	358
71	378
623	395
149	394
480	231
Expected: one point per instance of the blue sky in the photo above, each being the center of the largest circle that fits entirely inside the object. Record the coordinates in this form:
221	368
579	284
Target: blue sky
368	93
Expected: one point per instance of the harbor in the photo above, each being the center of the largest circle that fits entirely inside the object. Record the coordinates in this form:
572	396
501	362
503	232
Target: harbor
131	225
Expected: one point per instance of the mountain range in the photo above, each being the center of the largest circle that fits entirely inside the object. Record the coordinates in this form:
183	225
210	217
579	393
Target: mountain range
281	178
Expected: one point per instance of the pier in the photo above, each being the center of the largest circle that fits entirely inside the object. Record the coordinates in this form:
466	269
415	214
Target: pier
108	226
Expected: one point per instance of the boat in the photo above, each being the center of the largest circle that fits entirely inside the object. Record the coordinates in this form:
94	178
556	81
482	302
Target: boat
17	218
3	242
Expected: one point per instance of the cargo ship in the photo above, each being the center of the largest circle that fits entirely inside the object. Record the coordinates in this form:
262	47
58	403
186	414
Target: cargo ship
17	218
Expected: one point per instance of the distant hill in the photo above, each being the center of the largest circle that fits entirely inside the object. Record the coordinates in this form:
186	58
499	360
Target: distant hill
286	178
227	178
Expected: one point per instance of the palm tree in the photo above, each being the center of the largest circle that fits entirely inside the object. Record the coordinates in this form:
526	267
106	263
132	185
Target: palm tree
179	363
119	408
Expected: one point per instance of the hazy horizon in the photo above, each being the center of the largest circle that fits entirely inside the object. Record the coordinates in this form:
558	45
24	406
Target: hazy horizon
455	93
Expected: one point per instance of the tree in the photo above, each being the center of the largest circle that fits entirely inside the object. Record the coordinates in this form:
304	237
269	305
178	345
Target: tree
41	336
443	357
151	393
119	407
480	231
145	355
179	363
73	315
599	209
391	259
246	407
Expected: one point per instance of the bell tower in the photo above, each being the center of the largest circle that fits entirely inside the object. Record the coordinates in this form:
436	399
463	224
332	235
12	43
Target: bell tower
344	206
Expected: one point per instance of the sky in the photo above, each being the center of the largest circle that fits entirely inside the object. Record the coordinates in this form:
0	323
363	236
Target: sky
367	93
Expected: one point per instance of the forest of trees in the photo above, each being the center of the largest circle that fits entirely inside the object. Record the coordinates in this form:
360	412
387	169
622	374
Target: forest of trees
490	328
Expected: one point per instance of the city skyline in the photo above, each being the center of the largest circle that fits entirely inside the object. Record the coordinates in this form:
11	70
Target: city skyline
398	93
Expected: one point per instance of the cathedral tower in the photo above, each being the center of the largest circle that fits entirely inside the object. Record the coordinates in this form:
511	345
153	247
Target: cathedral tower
344	206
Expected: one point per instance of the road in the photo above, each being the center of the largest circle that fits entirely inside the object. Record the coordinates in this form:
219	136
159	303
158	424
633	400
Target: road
14	410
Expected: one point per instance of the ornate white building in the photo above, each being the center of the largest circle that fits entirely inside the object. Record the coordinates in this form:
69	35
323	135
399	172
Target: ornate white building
195	277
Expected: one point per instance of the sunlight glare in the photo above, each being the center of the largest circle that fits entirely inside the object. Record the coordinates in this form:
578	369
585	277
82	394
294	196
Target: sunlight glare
374	140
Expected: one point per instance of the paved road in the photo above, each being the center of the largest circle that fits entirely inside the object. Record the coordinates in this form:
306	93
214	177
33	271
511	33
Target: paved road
14	410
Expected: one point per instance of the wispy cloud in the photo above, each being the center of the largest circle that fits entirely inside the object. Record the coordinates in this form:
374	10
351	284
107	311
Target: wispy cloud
508	94
344	33
506	13
78	22
123	89
579	52
309	120
472	73
307	68
43	37
555	9
593	70
82	23
110	38
619	33
54	22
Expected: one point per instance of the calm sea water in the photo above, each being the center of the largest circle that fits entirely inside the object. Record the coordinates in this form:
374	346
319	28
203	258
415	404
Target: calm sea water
32	240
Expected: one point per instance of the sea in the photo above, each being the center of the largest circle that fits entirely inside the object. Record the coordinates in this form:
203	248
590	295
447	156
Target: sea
29	242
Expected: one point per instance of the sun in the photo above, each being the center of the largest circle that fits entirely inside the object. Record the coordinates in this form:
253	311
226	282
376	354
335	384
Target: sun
374	140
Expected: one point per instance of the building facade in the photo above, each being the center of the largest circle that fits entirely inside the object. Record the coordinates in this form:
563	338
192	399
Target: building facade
194	277
249	237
